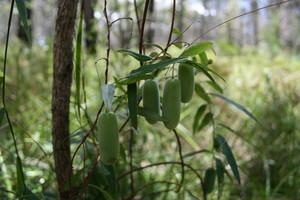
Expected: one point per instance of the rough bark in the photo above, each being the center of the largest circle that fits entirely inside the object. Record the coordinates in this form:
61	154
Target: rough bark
62	74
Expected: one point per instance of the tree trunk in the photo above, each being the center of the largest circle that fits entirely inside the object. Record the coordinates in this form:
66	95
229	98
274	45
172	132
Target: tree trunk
90	28
21	33
254	19
61	91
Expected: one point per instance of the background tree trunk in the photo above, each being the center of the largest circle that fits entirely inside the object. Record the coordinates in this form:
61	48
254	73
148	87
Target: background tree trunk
61	91
254	19
90	28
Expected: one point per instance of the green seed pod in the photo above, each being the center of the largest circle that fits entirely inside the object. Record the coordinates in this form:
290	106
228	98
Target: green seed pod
171	103
151	98
186	76
108	138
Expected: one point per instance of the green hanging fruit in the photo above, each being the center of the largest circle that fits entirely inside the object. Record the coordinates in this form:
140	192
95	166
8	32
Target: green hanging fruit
108	138
186	76
151	98
171	103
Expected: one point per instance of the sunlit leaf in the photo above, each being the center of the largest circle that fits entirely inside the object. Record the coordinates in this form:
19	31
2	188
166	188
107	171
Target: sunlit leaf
108	92
23	15
197	117
229	156
151	67
197	49
203	58
240	107
132	103
176	31
137	56
209	180
150	114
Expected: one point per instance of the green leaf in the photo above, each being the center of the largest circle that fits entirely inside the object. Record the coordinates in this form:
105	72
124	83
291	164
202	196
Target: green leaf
20	177
220	176
195	153
203	58
150	114
23	15
212	71
132	103
78	60
176	31
137	56
197	49
103	191
29	195
229	156
151	67
155	45
197	117
215	86
209	180
108	92
136	79
242	108
201	68
178	45
201	93
2	114
1	80
207	118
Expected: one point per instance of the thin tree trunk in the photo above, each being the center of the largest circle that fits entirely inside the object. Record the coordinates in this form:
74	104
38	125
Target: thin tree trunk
254	17
62	69
90	28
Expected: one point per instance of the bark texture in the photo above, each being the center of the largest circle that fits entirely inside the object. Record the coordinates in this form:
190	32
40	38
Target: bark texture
62	74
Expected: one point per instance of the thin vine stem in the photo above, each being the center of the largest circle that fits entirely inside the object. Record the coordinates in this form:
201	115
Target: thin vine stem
181	159
172	25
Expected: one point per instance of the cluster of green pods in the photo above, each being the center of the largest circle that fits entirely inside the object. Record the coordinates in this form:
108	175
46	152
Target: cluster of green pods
176	91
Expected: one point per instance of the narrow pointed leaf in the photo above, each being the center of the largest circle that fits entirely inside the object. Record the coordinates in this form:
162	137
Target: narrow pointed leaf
78	60
229	156
202	94
108	92
137	56
197	117
20	177
2	114
240	107
197	49
220	176
23	15
136	79
151	67
103	191
132	103
209	180
203	58
155	45
150	114
207	118
195	153
215	86
176	31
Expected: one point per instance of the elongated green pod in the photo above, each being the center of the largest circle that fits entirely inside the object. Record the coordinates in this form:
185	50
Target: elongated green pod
151	98
171	103
108	138
186	76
